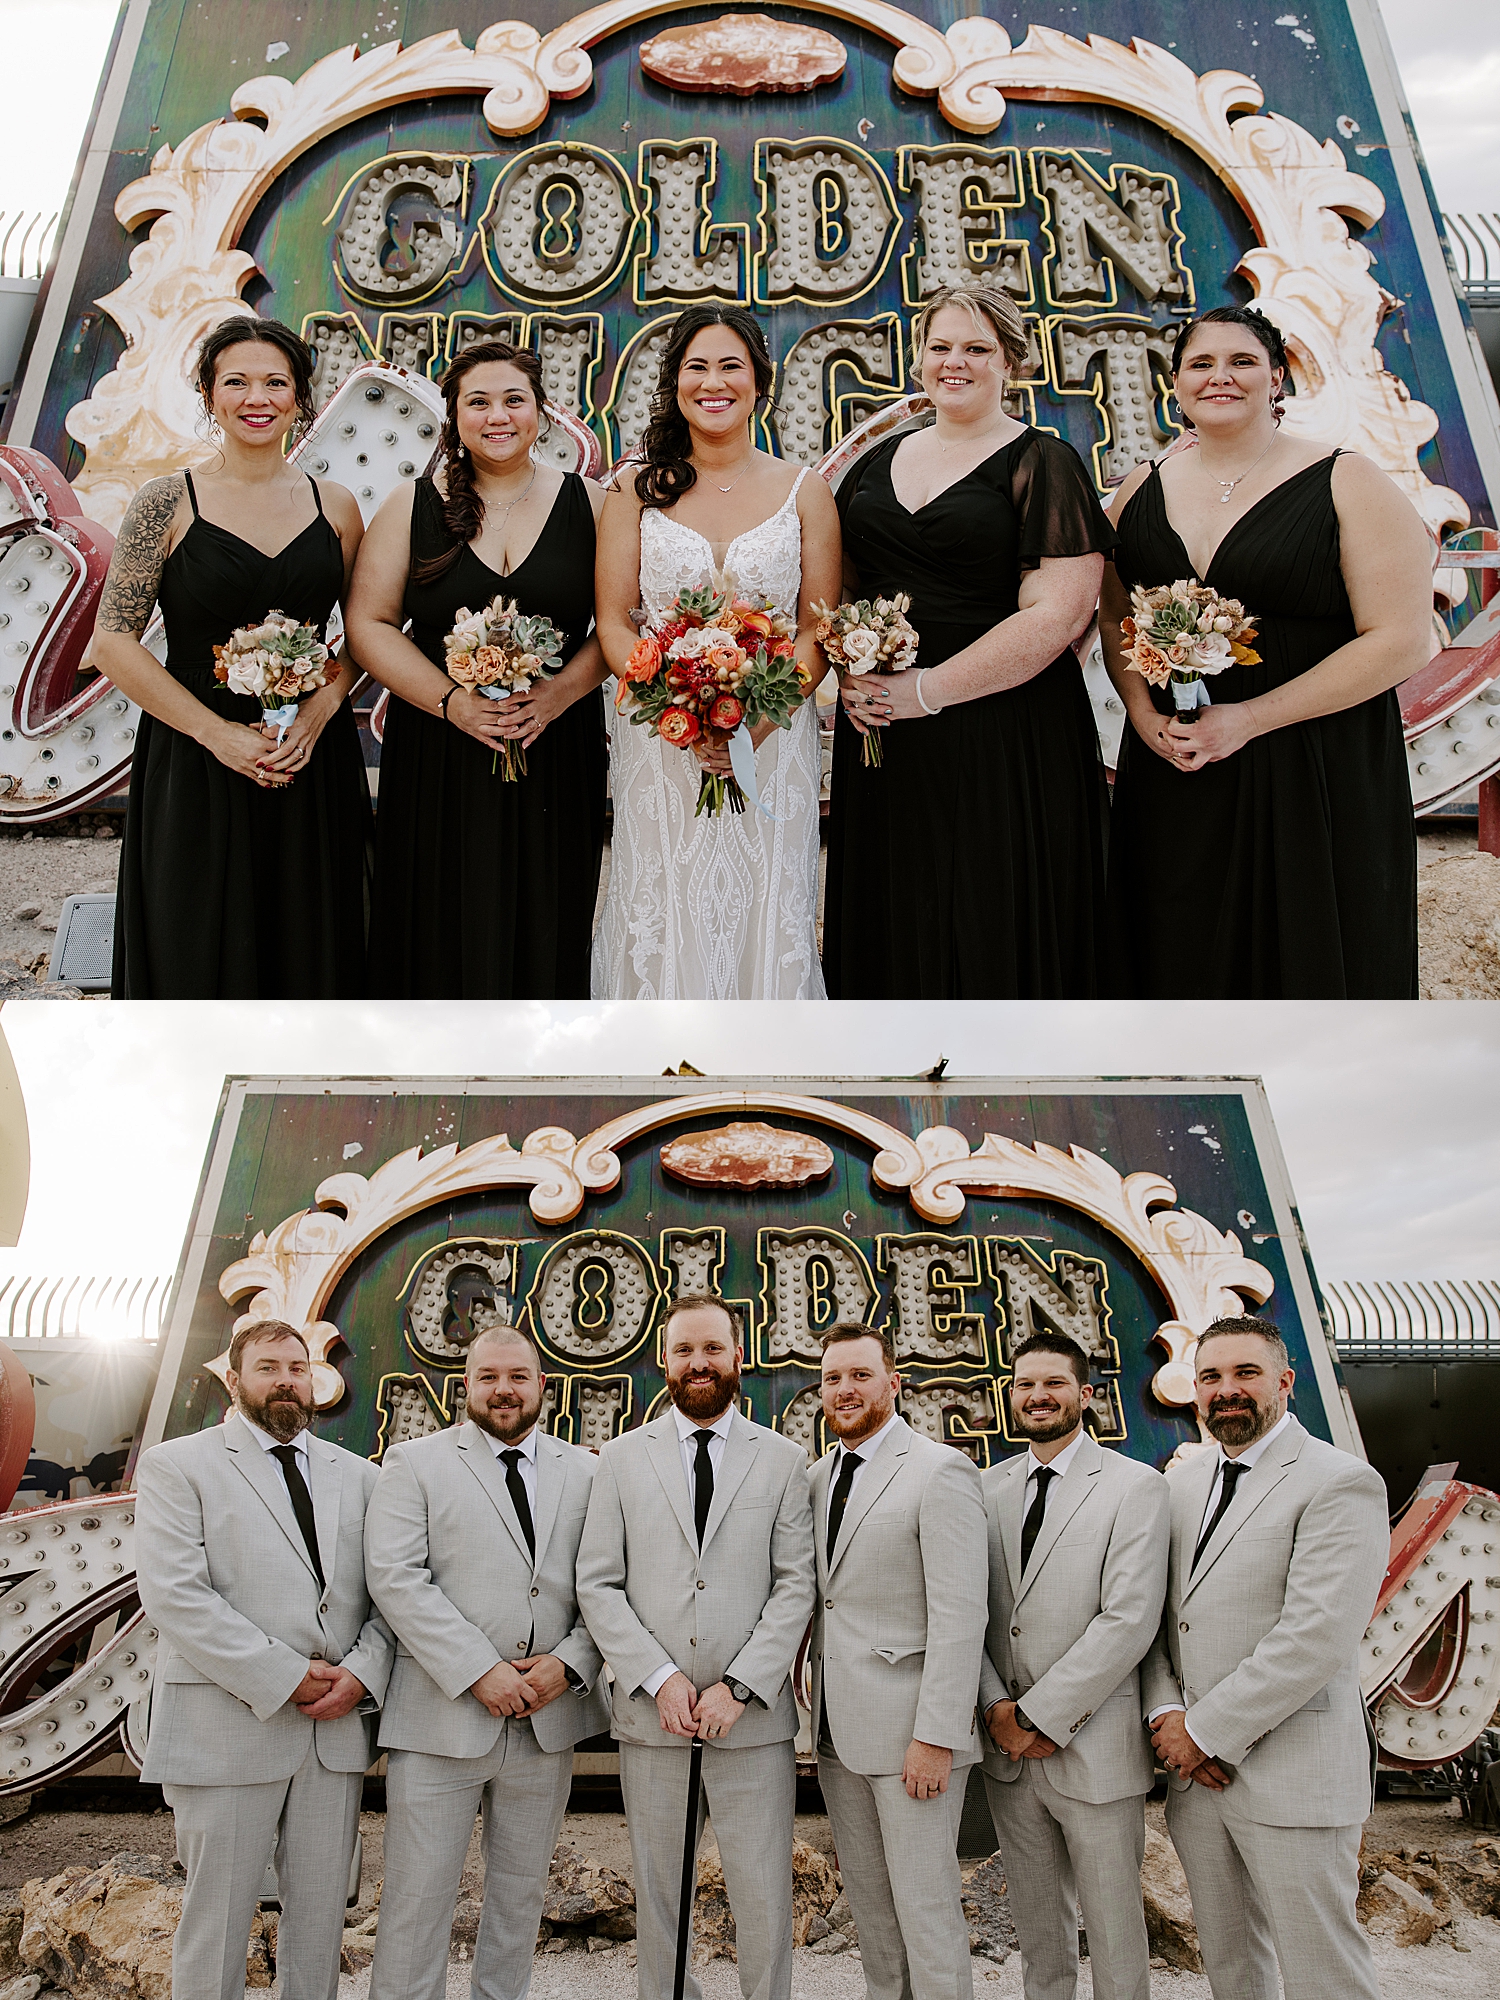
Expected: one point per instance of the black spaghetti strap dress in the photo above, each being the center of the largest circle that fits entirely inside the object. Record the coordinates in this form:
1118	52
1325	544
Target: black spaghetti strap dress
969	864
485	890
1288	871
229	890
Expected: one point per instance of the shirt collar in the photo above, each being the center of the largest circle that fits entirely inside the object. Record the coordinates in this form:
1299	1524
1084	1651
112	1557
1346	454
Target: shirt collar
1252	1452
268	1443
867	1447
689	1427
527	1446
1060	1464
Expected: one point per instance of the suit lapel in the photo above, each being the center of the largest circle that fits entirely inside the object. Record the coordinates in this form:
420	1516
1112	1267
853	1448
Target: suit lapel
551	1475
474	1449
256	1465
739	1454
878	1473
325	1483
1073	1489
664	1450
818	1488
1264	1477
1010	1511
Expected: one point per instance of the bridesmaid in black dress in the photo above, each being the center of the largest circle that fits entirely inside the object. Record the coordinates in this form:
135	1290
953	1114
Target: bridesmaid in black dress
969	864
1267	848
245	865
484	889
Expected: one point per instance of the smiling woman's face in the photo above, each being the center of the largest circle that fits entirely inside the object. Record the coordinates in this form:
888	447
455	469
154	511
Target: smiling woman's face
716	383
497	414
963	364
1225	374
255	393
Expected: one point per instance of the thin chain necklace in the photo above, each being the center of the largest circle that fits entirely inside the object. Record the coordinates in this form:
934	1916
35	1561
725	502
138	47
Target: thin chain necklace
738	476
1229	484
506	512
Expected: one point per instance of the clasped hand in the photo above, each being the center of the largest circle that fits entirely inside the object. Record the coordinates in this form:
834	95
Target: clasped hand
1177	1750
1218	733
326	1691
1007	1735
520	1687
682	1713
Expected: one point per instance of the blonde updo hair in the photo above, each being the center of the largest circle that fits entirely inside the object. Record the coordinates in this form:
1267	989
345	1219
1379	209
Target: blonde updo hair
986	305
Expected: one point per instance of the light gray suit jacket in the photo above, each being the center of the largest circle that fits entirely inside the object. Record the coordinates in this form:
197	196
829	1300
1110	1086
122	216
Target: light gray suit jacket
899	1627
1067	1638
1261	1642
226	1579
450	1570
737	1610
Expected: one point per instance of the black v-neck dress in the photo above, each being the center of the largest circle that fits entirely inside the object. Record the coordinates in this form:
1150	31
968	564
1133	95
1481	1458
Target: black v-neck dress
1289	870
969	864
229	890
485	890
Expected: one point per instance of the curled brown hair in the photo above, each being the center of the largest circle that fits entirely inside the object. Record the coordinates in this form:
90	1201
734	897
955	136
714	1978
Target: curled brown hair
300	360
262	1329
667	442
983	303
463	509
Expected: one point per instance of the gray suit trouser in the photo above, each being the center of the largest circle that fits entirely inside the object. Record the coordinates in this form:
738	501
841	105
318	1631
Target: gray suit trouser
1056	1850
899	1860
1263	1894
751	1796
429	1821
225	1835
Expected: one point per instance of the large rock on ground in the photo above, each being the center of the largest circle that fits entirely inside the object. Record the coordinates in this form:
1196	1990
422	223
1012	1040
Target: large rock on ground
1391	1907
815	1891
584	1892
105	1931
12	1917
1458	927
1169	1909
987	1907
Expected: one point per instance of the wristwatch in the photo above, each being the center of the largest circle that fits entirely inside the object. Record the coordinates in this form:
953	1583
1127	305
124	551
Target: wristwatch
743	1695
1022	1719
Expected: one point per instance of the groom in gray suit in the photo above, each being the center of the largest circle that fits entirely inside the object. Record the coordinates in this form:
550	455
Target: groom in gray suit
1078	1570
897	1638
695	1577
470	1545
1279	1545
250	1562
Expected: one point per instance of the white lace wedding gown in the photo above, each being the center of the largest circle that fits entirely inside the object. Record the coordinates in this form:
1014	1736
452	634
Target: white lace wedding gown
715	908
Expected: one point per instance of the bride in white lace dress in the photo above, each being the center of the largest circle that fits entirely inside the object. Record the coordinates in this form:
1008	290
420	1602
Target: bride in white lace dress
712	907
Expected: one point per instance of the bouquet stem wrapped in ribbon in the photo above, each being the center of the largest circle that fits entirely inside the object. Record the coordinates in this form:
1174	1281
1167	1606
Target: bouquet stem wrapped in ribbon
498	652
717	666
275	662
1178	632
869	637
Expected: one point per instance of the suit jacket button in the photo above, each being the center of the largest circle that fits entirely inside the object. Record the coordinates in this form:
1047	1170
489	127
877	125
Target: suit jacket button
1015	1631
828	1604
535	1592
1183	1626
701	1584
692	1642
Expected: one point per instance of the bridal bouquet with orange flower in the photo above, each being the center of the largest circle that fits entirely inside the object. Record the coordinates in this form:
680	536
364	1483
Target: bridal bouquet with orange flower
1178	632
276	662
870	636
498	652
716	666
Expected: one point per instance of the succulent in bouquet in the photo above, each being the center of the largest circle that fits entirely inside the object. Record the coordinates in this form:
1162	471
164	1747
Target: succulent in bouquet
497	652
1178	632
869	636
276	663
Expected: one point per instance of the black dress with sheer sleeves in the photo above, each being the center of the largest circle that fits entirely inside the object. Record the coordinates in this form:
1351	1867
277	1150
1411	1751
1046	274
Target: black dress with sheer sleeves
1289	870
969	864
484	889
229	890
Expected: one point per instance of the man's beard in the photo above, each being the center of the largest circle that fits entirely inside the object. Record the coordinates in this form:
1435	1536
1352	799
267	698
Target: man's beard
1239	1426
863	1423
510	1422
282	1413
704	1402
1046	1430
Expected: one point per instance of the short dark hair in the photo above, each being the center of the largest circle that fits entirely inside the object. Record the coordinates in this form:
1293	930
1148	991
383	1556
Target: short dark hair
1263	1329
241	327
501	1331
263	1329
1054	1343
849	1329
691	1301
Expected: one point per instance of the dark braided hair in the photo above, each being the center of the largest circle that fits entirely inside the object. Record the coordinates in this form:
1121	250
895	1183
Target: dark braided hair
300	360
667	442
1260	329
463	509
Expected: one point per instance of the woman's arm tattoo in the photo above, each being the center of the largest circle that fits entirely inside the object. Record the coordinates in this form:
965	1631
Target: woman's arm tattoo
129	594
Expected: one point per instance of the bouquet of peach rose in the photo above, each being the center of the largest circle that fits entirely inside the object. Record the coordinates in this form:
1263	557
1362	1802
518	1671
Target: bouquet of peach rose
716	666
1178	632
869	637
498	652
277	662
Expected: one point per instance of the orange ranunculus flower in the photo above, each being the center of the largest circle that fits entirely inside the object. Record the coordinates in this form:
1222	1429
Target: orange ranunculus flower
758	623
678	726
645	659
720	658
727	713
463	668
1151	663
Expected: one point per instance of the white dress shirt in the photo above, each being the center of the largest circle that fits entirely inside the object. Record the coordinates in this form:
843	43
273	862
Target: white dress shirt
864	1451
268	1443
1247	1457
1059	1465
687	1447
527	1464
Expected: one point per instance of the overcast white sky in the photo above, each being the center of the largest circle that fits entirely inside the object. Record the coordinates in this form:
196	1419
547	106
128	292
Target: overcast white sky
1389	1114
1449	59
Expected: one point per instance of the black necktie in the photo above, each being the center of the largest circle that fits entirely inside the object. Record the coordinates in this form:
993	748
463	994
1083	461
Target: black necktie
1031	1527
703	1483
849	1464
296	1486
1232	1471
522	1505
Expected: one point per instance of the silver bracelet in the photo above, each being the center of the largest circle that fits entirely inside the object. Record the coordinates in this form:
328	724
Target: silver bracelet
921	698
